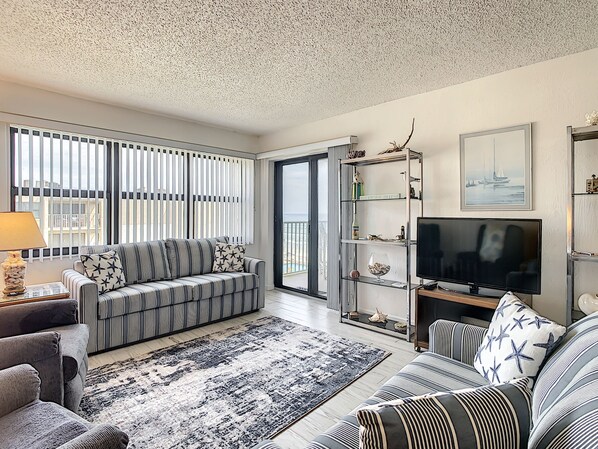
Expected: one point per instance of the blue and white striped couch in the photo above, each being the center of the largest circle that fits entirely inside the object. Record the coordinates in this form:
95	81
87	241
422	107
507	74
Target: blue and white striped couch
565	394
170	287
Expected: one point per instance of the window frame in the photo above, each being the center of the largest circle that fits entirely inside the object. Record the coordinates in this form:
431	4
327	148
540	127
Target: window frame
111	192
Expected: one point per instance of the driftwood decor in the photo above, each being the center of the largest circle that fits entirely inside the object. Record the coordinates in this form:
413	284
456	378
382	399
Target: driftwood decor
396	148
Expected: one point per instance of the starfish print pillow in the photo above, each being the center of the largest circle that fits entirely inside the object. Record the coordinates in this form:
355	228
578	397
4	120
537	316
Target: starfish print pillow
517	343
228	257
104	269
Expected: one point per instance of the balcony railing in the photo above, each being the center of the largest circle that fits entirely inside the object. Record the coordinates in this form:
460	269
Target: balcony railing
70	221
295	247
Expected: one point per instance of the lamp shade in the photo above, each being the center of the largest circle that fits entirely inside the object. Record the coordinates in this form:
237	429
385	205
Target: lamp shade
19	230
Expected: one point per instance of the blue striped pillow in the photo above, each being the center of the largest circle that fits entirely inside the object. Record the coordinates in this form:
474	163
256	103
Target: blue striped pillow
493	416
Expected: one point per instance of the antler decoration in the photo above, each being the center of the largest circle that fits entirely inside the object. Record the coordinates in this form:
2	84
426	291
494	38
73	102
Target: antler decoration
395	148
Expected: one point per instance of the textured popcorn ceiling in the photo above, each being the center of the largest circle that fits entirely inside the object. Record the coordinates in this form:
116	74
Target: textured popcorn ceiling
259	66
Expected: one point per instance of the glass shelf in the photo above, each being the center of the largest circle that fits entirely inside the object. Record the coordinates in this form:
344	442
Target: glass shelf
383	283
382	199
584	257
584	194
386	328
383	158
402	243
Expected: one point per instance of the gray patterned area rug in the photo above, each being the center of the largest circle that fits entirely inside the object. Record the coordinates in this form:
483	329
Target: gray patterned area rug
230	389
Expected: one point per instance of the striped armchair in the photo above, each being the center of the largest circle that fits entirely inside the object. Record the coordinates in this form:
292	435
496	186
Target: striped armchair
565	394
169	287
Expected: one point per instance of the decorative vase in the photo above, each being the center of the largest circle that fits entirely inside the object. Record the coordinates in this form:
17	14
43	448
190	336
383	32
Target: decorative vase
378	265
588	303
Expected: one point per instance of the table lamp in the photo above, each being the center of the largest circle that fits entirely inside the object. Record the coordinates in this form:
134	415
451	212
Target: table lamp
18	231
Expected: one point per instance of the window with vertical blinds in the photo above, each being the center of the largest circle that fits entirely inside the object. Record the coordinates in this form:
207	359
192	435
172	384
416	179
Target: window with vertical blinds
86	190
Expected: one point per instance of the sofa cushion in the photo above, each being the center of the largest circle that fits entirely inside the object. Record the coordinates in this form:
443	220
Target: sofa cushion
428	373
105	270
150	295
218	284
142	262
517	343
188	257
40	425
488	416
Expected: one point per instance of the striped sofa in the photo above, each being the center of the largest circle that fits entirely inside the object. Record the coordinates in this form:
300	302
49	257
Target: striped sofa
170	287
565	394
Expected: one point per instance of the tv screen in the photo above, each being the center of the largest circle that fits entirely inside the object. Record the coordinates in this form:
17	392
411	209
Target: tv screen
501	254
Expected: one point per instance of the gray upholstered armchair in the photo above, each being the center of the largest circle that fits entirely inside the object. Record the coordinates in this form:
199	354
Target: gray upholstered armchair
25	421
46	335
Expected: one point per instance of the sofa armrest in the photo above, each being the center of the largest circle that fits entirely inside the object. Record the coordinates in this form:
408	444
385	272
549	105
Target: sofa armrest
43	352
73	341
458	341
19	385
102	436
258	266
29	318
267	445
85	291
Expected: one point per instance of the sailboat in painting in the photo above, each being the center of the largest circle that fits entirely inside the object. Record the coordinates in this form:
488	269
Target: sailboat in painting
495	179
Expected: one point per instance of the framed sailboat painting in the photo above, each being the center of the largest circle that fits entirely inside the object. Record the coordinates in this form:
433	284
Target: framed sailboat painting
496	169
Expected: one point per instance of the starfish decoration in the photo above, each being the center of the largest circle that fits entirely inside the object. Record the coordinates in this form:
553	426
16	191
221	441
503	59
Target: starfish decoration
500	310
520	308
548	344
98	268
539	321
494	369
109	274
502	334
112	265
93	277
489	343
478	357
105	282
519	322
518	355
485	373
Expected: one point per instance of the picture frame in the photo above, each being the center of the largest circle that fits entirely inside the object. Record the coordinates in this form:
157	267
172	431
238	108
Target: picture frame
496	169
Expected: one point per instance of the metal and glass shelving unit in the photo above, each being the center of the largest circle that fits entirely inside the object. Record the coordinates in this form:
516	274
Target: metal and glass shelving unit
576	255
403	288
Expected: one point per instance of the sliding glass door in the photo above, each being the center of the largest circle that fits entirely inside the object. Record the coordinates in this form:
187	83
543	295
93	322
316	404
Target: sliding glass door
301	225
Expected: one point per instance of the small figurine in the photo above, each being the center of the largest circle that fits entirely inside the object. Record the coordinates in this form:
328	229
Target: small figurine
354	315
592	185
402	235
354	274
378	317
376	237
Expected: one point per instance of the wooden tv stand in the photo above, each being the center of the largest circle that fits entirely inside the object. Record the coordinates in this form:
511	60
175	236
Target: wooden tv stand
431	305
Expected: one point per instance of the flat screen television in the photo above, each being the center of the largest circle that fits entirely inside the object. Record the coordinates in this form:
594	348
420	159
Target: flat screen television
500	254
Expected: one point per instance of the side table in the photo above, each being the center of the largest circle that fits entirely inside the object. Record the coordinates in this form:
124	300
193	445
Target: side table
36	293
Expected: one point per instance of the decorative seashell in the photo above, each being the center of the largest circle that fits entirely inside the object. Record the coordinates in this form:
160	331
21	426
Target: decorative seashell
378	317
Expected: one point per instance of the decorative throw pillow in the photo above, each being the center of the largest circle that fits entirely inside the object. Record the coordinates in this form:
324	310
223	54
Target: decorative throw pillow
228	257
517	343
492	416
104	269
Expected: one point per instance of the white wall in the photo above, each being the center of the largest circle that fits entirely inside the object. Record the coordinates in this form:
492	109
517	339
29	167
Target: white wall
550	95
31	102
